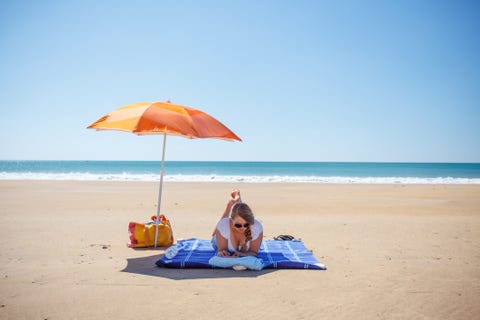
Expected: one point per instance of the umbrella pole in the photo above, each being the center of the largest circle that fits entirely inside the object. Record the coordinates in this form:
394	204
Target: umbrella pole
160	187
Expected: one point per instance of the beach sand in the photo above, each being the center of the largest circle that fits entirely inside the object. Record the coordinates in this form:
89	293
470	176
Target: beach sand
392	252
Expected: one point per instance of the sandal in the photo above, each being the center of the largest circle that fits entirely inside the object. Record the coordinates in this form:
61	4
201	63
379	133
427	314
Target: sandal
286	237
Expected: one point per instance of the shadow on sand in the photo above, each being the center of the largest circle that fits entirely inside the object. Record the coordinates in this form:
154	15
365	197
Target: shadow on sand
146	266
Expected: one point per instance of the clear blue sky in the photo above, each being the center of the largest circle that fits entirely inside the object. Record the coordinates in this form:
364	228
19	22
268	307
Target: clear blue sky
296	80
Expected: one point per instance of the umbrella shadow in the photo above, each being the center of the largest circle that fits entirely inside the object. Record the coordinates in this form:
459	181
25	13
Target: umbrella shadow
146	266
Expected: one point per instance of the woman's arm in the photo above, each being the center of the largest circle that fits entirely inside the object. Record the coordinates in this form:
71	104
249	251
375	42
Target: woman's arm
222	245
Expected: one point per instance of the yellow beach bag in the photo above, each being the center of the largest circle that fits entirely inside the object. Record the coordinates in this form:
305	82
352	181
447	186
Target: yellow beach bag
142	235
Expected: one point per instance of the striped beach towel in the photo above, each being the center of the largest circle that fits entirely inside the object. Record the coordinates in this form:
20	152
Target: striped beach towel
196	253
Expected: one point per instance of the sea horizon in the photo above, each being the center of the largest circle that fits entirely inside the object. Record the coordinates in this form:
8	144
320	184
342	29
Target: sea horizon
269	161
244	171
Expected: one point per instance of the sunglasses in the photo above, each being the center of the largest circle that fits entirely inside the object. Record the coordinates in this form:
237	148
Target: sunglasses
239	225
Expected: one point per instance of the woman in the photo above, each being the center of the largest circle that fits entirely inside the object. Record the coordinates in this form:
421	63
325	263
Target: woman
239	235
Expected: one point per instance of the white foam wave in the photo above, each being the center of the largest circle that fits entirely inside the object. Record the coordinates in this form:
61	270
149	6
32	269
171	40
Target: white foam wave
234	179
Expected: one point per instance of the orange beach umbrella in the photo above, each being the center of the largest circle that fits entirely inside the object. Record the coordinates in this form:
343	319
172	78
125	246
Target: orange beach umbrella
165	118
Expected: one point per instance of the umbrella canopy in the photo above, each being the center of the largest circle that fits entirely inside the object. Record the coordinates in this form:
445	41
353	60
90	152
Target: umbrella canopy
145	118
164	117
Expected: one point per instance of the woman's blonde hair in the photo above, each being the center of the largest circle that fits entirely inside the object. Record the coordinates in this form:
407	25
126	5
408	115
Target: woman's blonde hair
242	210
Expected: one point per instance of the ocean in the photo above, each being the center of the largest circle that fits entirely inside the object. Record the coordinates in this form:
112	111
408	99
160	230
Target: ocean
253	172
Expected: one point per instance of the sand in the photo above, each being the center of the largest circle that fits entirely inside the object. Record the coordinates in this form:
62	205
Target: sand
392	252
